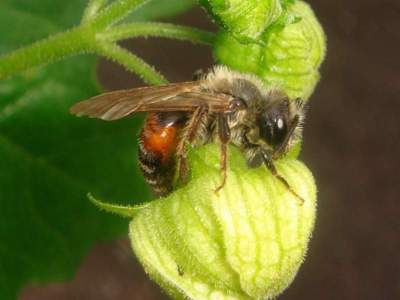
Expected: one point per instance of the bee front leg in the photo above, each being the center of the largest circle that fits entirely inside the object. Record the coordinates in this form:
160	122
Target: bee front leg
270	165
224	135
188	137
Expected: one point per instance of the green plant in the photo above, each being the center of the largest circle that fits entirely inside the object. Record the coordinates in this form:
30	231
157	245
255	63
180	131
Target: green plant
51	159
246	242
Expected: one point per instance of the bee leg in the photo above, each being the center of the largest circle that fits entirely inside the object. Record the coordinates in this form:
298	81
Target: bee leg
224	135
270	165
188	137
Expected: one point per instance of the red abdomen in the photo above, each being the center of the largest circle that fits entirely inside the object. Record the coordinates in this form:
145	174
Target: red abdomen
158	141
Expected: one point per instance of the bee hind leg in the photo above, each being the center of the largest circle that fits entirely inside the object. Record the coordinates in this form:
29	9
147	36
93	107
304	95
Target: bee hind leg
224	135
188	137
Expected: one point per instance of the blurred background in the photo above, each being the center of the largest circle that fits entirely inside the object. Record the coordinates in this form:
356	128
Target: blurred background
351	143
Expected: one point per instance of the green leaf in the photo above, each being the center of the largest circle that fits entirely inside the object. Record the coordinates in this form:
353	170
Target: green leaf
50	159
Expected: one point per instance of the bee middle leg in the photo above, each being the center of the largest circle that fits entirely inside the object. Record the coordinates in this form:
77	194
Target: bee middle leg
188	137
224	135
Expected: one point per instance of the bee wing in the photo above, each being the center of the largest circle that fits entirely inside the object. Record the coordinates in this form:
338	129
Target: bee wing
185	96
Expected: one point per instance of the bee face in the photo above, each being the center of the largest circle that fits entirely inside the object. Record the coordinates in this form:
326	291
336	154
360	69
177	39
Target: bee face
273	123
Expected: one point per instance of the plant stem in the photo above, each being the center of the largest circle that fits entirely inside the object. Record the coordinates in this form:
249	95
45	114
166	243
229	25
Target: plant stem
153	29
115	12
89	38
124	211
92	9
132	63
75	41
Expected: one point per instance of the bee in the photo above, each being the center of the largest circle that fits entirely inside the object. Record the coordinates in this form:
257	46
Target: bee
222	105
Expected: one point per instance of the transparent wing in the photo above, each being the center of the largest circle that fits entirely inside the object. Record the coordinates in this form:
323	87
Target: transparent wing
185	96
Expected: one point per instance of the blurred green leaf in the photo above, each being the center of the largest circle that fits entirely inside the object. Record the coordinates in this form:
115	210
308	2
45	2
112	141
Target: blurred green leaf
50	159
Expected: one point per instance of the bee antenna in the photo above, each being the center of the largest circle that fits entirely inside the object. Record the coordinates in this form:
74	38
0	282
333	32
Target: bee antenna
198	75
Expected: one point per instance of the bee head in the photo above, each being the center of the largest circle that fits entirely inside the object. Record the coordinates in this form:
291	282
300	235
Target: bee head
277	124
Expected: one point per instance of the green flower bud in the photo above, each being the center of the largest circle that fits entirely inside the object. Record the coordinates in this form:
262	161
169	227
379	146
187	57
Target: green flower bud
288	54
245	242
246	20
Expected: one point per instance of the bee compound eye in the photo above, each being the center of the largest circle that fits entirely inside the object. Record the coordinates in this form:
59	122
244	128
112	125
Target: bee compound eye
280	124
273	129
279	131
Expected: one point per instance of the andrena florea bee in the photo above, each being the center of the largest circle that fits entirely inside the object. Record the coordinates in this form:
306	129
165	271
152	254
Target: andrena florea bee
222	105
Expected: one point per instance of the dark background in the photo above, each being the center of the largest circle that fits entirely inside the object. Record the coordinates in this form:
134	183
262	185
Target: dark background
351	143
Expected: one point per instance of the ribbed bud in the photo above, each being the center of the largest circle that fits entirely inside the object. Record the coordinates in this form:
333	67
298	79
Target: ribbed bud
246	20
288	54
246	242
